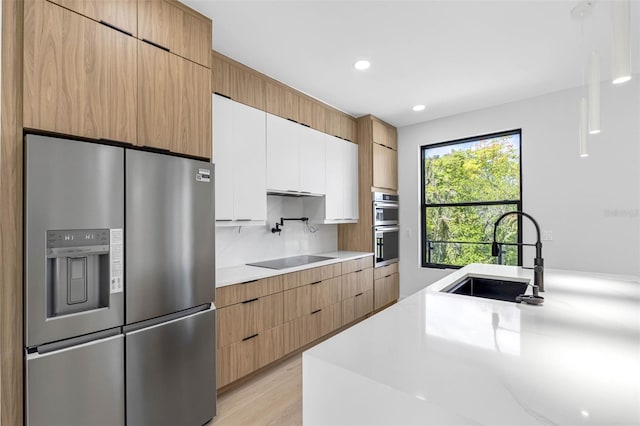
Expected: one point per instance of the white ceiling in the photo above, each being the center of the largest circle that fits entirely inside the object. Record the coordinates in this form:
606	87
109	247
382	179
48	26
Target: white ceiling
452	56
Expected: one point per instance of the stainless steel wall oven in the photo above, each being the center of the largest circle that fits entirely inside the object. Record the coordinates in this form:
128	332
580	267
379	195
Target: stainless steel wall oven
386	230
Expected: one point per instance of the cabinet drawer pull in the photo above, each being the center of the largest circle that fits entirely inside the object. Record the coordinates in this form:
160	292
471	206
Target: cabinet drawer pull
388	276
251	300
113	27
316	311
251	281
223	95
250	337
359	270
316	282
359	294
159	46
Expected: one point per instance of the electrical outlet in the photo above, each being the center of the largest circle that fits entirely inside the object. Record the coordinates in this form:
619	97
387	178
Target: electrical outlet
547	235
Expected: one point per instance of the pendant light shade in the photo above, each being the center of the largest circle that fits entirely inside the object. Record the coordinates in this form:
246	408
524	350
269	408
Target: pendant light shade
583	131
621	51
594	94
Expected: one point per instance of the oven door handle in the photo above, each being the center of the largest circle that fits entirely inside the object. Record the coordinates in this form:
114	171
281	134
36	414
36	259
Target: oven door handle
387	228
385	205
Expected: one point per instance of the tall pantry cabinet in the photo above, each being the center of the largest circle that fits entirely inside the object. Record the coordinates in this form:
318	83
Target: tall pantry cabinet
130	71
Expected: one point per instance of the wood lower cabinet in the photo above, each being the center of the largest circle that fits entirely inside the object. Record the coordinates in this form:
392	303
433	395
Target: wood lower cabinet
310	327
386	290
247	318
357	307
232	294
261	321
85	89
312	275
174	103
357	264
243	357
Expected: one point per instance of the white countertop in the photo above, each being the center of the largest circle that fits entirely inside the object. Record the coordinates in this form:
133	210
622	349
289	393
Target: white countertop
243	273
446	359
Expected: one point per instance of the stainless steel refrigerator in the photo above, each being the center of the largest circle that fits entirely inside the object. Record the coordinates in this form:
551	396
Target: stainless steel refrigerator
119	285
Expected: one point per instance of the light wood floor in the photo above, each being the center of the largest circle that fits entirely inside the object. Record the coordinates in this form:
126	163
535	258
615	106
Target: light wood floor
272	398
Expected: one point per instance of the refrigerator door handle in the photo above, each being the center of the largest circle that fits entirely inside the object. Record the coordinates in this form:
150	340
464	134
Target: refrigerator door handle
76	342
128	329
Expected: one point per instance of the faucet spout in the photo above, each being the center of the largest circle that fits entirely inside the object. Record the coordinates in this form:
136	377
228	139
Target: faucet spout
538	262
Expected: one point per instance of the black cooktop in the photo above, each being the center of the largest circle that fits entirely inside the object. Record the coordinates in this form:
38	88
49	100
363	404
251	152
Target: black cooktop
290	262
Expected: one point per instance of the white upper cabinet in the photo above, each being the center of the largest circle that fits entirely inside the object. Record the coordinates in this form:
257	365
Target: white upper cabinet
350	200
312	160
239	135
334	204
283	162
341	200
223	156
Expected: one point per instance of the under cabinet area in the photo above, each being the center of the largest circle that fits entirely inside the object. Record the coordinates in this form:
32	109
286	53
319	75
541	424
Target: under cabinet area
240	159
260	321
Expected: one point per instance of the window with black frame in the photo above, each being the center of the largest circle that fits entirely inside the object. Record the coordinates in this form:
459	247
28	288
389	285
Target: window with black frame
467	184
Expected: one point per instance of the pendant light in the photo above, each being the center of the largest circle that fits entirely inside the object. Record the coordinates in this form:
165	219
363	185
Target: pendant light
583	130
621	49
594	94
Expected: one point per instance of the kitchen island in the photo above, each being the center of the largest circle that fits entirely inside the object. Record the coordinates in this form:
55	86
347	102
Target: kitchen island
448	359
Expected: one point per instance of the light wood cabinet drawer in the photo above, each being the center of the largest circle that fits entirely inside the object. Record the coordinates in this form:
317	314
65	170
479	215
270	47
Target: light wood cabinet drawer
357	307
297	302
310	327
248	318
303	300
357	282
357	264
241	358
236	293
384	271
386	290
325	293
309	276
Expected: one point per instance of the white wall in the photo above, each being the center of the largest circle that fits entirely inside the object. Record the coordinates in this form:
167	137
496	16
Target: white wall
590	204
256	243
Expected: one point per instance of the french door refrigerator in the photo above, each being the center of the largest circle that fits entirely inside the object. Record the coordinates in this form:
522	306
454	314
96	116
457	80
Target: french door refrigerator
119	280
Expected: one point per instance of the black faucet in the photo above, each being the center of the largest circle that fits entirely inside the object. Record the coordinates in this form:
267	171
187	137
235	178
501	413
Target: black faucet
538	262
278	228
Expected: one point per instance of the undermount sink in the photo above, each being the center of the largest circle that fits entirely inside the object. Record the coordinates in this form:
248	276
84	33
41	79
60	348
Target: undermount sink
489	288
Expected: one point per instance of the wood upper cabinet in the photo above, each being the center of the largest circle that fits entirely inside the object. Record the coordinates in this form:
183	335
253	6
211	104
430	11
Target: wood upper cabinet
274	98
176	28
305	111
385	167
220	75
196	38
174	103
247	87
384	135
348	128
318	117
332	122
85	88
119	14
280	100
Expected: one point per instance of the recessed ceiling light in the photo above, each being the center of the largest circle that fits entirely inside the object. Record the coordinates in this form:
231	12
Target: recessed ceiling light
418	108
362	65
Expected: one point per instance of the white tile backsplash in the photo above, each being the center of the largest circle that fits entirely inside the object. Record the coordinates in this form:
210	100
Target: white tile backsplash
240	245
